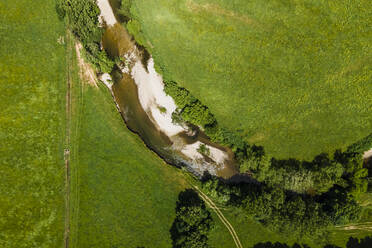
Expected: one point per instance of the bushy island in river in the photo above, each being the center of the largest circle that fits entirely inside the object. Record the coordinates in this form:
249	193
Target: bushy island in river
290	196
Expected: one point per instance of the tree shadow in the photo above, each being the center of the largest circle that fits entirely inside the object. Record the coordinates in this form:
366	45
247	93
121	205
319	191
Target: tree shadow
352	243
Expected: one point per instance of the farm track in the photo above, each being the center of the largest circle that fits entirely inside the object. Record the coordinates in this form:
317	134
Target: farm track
67	142
220	215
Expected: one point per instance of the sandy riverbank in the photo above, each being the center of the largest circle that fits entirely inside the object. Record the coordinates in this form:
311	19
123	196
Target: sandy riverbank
367	154
158	105
106	12
153	99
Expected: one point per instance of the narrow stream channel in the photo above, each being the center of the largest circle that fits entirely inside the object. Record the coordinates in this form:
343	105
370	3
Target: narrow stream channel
178	149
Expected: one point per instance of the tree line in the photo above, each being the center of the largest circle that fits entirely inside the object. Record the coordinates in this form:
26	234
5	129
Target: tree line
343	167
286	212
351	243
290	196
82	19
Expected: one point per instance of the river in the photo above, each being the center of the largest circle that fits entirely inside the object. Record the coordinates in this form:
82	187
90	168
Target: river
138	91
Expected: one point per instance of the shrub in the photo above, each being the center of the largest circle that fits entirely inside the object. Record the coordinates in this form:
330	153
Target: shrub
192	223
203	149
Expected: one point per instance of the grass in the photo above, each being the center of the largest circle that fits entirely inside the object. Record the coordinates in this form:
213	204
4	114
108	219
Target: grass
293	76
32	112
122	195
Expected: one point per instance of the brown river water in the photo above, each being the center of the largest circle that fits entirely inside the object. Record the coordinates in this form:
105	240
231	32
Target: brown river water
117	42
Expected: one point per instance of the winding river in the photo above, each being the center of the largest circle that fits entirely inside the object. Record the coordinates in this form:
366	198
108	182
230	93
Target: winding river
138	91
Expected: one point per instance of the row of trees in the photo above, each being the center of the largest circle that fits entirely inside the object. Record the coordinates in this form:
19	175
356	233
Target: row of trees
82	17
300	198
352	243
285	211
316	176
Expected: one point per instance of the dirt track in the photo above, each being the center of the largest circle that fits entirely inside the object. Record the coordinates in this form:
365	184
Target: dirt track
220	215
67	141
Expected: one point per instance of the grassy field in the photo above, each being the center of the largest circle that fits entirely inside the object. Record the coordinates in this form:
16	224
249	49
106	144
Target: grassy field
293	76
122	194
32	115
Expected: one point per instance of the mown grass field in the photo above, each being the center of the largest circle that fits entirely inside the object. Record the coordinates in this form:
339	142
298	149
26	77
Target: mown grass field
293	76
32	116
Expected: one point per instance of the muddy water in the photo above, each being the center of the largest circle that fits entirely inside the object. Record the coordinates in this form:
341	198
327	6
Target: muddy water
117	42
137	120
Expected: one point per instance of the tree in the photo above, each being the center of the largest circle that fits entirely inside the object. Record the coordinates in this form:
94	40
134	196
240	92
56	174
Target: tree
192	223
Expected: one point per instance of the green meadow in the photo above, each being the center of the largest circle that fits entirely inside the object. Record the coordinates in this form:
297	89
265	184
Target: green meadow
293	76
32	117
122	194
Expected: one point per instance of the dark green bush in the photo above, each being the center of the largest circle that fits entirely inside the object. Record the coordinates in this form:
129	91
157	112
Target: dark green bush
193	221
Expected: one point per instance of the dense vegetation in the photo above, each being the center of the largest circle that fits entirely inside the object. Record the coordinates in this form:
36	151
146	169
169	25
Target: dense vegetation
318	175
193	221
32	110
331	183
294	73
83	21
286	212
352	243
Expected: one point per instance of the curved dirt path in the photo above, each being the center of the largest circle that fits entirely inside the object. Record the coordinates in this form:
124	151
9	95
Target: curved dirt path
220	215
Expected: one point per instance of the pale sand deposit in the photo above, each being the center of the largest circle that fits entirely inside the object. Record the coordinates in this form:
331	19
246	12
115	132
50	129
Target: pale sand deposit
367	154
107	80
152	97
106	12
218	156
86	72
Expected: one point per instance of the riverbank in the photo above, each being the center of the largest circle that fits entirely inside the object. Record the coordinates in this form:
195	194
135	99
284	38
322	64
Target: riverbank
162	135
367	154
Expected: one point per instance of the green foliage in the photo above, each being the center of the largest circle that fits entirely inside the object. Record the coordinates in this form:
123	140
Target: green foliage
203	149
125	6
190	109
359	243
355	175
316	176
293	214
198	114
83	21
181	96
352	243
32	124
193	221
98	58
